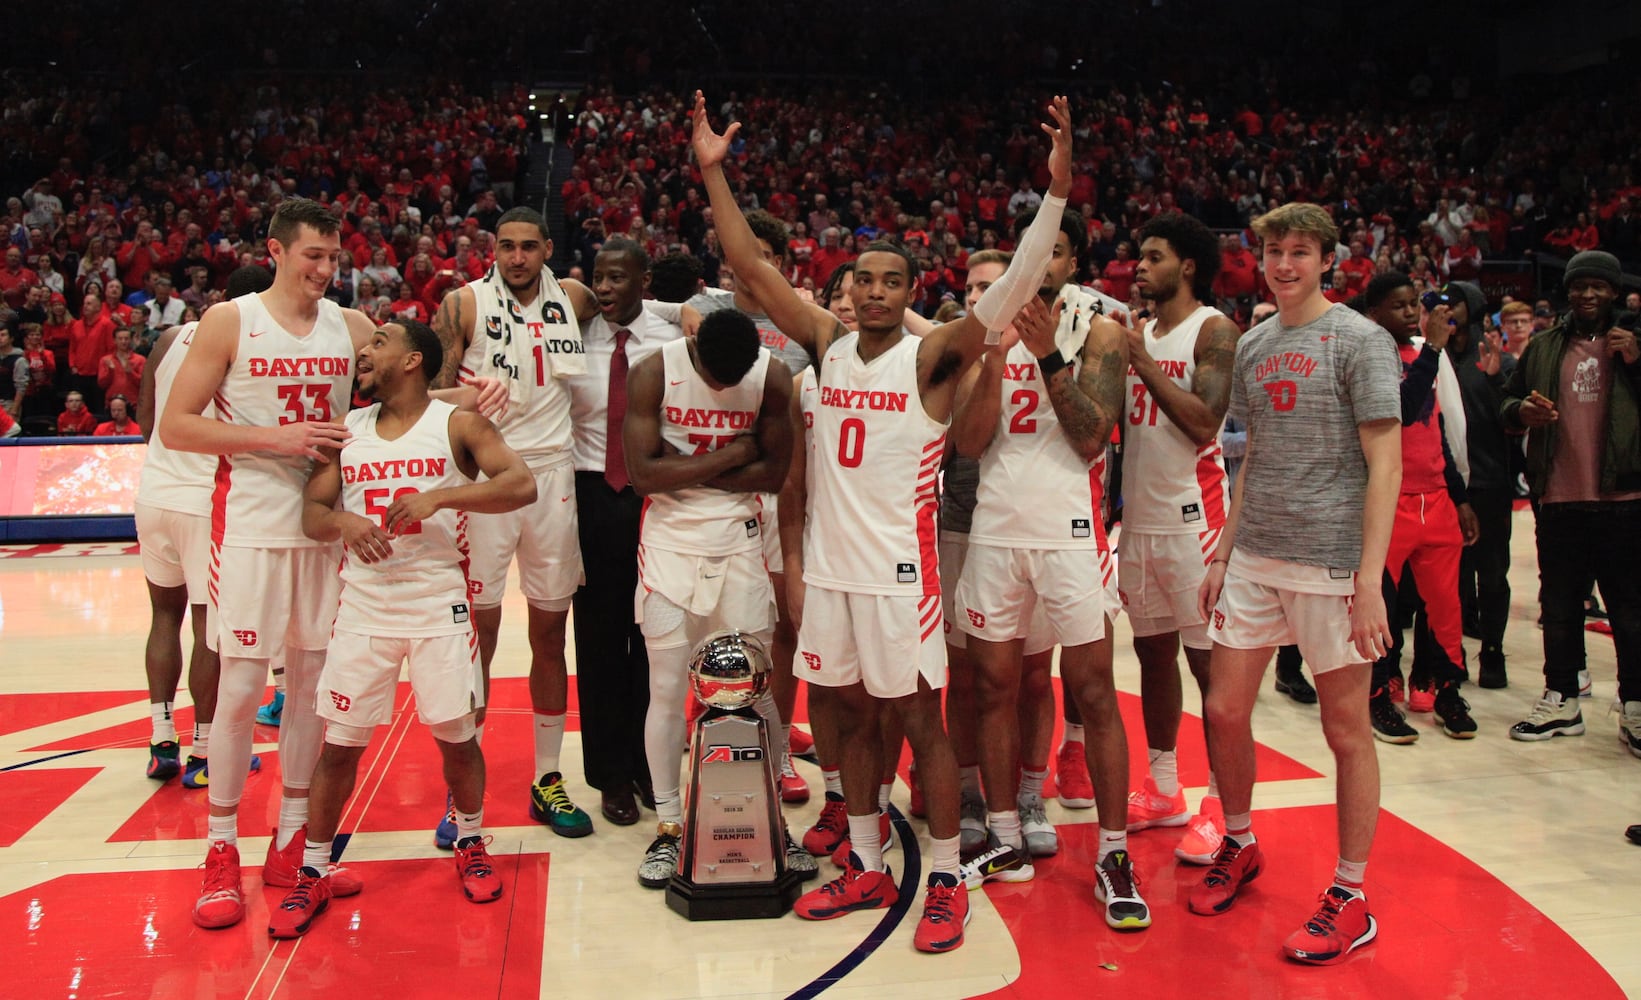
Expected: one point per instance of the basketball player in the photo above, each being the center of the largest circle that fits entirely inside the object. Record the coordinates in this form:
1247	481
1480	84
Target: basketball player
706	430
873	584
1174	503
174	529
278	366
1040	424
407	478
1301	557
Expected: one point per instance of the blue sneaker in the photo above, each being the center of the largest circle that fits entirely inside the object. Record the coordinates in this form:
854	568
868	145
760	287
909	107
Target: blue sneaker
444	835
273	711
197	773
162	760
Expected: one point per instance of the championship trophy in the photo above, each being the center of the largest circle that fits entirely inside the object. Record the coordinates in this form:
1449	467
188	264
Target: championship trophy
733	863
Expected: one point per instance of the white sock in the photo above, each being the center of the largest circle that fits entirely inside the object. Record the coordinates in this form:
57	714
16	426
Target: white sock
316	856
549	740
202	740
1164	771
223	828
864	840
1111	840
165	727
883	791
468	824
1074	733
293	816
278	676
1031	782
1005	826
1240	828
669	810
1349	876
834	781
944	857
970	776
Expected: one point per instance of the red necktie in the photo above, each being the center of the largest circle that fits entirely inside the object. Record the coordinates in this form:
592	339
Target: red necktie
615	456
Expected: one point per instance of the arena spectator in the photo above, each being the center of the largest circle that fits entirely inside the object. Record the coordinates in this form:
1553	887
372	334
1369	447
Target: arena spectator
119	373
15	279
75	419
119	422
89	338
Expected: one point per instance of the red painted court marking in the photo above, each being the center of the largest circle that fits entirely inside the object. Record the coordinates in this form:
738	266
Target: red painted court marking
32	795
26	711
1447	928
410	935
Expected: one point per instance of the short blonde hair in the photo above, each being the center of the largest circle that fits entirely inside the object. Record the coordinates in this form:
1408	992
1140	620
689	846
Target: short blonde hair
1515	309
1298	218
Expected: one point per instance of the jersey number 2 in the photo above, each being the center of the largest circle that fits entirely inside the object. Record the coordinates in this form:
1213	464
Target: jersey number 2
1023	422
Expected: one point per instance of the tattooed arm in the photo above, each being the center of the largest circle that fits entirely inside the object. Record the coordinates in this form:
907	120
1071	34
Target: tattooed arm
1089	405
1200	410
454	325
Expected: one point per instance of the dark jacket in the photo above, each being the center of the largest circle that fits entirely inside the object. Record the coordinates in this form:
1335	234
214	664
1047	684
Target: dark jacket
1489	449
1540	369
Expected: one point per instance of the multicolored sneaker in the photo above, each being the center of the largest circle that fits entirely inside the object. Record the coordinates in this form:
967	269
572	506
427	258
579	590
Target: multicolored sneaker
660	862
855	889
799	860
1341	925
1234	867
1001	863
1149	808
445	834
221	900
1629	725
1042	840
1203	834
283	868
480	883
550	804
197	772
308	898
886	838
830	829
794	788
945	914
971	824
164	762
1552	716
1071	773
1118	887
273	712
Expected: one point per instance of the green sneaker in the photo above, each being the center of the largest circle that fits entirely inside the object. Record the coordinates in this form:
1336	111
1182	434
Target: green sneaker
163	762
550	804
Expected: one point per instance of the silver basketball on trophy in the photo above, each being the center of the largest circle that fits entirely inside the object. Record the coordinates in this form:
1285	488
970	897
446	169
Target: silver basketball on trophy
730	670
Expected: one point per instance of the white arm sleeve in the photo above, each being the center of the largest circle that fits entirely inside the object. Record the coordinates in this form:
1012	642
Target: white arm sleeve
1024	276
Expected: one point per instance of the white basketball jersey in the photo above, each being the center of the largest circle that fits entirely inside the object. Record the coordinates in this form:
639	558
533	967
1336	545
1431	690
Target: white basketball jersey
1170	485
421	589
517	344
1035	491
175	480
697	419
276	378
872	475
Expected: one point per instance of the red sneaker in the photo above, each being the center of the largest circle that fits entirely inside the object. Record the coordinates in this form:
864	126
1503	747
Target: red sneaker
853	890
1234	867
221	900
840	856
830	830
479	879
794	788
1076	788
1421	699
1342	925
945	914
1398	695
282	868
801	742
919	809
306	900
1149	808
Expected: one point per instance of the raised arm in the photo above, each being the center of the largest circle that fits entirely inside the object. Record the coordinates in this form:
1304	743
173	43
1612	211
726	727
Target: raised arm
653	465
805	322
1200	410
478	447
454	325
211	354
767	472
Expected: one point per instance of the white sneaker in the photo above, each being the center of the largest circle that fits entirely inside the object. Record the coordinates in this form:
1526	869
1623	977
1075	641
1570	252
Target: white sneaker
1000	864
1629	725
1584	684
1552	716
1041	839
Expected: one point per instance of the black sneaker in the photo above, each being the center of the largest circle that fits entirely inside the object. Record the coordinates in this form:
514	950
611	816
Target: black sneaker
1389	726
1491	674
1634	833
1294	685
1452	713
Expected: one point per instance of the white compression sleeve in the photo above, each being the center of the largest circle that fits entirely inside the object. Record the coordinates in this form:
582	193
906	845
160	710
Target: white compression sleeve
1024	276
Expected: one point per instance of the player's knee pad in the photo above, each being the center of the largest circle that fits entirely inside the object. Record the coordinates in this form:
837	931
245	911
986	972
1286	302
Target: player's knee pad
663	624
343	735
455	731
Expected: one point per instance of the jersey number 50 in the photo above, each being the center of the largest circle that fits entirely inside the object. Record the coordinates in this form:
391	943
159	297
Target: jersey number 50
377	502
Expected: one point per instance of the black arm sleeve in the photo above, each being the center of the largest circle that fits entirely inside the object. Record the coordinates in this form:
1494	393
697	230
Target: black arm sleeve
1418	383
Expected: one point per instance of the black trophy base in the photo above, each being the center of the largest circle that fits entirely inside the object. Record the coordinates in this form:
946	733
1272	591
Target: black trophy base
738	901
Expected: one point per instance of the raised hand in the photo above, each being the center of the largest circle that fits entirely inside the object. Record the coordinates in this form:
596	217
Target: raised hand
711	149
1037	324
1059	157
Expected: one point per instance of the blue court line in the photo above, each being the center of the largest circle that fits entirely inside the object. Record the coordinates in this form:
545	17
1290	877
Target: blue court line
910	878
47	760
